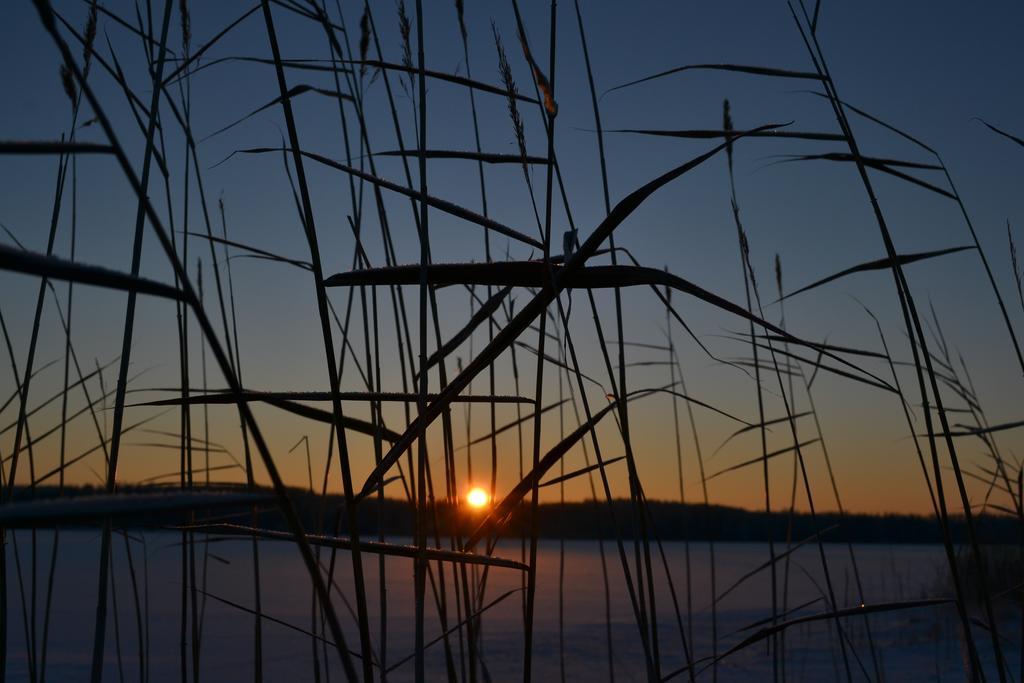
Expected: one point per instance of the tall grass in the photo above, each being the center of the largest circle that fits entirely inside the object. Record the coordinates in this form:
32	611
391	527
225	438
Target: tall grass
412	355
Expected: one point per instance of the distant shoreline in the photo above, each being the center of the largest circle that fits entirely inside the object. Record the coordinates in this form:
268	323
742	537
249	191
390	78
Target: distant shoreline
589	520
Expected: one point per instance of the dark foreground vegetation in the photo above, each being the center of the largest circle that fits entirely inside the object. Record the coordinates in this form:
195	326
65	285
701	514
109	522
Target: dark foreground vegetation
532	320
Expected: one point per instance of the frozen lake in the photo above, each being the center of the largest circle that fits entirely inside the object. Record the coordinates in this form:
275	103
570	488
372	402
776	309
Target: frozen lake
917	643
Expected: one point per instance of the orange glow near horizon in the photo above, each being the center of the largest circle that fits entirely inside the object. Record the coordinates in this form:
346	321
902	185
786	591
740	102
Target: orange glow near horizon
477	498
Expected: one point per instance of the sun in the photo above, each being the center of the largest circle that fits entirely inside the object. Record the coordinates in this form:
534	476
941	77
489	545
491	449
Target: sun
477	498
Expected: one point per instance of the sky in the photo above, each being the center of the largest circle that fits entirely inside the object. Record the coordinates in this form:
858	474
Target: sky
931	69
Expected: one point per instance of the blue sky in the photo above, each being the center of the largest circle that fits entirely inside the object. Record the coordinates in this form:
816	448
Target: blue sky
929	68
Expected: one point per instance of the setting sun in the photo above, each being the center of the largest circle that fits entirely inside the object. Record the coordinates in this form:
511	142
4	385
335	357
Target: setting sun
477	497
